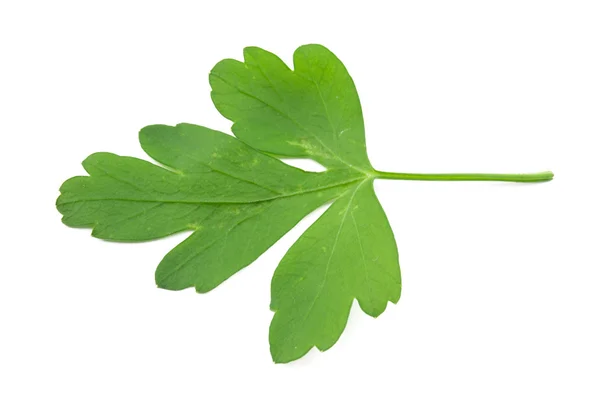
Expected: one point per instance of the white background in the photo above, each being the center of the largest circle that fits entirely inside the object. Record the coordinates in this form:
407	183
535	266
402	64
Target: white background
501	281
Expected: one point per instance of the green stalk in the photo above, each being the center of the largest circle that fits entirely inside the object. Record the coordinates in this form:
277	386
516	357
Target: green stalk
537	177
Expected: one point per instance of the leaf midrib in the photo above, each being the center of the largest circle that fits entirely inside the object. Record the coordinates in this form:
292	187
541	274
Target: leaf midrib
362	178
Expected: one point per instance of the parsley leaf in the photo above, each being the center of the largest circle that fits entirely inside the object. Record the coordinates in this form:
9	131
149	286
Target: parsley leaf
312	111
347	253
239	199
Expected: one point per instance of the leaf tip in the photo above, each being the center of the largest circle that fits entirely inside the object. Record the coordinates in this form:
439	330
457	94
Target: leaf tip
281	356
149	133
250	51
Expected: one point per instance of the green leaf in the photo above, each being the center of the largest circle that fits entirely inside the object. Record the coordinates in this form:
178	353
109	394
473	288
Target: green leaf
347	253
229	194
312	111
238	199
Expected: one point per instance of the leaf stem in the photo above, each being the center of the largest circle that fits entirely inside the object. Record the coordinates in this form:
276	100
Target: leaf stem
536	177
